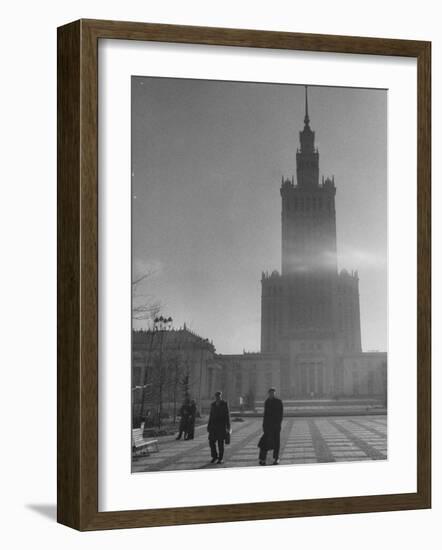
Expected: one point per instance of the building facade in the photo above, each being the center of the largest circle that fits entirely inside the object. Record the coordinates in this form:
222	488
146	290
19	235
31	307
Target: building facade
167	365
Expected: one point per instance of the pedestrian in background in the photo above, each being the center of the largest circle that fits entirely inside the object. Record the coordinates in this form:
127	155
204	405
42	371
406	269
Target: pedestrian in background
191	420
184	420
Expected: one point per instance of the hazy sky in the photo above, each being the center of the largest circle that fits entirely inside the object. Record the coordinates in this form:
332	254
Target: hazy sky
208	157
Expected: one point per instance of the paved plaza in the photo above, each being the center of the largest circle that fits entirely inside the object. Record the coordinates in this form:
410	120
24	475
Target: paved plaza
303	440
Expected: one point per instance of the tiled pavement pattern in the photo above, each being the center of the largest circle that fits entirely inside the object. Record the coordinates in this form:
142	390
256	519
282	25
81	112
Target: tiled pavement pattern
303	440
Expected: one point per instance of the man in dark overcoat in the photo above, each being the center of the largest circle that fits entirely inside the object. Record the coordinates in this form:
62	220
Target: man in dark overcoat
218	426
271	425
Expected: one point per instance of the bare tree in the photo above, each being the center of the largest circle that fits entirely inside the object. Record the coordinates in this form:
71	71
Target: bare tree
144	307
175	371
162	379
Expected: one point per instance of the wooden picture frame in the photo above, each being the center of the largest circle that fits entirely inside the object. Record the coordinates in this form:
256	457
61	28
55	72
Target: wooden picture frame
77	414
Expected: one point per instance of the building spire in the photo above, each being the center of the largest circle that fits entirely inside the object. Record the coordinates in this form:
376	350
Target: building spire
307	156
306	118
307	136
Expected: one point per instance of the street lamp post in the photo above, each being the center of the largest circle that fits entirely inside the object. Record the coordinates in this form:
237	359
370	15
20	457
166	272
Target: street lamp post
161	325
145	378
205	346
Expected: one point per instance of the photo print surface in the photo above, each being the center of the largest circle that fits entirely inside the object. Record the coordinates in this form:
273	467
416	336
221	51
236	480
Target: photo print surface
259	274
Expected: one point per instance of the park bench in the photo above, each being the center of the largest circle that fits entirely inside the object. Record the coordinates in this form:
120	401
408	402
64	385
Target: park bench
141	446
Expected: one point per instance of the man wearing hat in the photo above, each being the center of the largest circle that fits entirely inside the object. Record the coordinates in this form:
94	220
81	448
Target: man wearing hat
218	427
271	425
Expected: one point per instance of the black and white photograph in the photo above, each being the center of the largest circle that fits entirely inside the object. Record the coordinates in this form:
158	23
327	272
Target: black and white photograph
259	274
223	220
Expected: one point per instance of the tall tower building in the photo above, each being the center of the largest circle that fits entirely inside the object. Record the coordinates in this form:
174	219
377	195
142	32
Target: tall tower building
309	311
308	212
